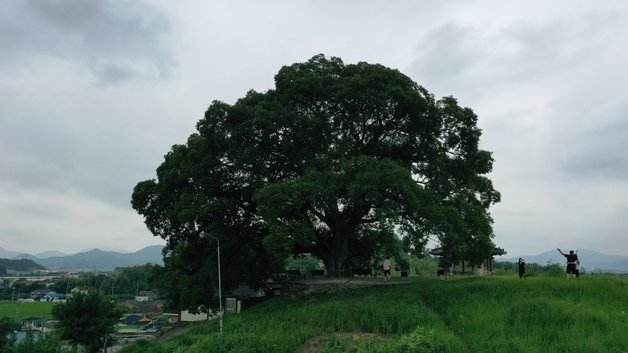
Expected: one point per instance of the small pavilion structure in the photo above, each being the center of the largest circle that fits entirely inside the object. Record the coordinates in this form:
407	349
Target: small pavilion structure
488	263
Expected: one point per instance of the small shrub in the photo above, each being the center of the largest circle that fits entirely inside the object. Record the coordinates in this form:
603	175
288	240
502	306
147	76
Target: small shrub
423	340
553	270
419	341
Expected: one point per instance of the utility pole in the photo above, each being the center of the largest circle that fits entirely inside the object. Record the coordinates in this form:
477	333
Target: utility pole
204	235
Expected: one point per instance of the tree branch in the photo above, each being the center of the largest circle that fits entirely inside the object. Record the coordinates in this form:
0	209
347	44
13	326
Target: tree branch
369	220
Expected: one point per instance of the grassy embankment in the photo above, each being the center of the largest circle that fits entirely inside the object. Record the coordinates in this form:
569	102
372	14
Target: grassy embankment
498	314
18	311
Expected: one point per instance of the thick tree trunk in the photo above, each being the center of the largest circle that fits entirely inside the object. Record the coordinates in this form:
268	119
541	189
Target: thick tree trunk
337	256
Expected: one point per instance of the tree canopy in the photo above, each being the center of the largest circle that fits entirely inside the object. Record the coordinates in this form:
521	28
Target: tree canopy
338	160
7	327
87	319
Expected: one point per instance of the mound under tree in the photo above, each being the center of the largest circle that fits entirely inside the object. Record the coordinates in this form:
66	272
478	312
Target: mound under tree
338	160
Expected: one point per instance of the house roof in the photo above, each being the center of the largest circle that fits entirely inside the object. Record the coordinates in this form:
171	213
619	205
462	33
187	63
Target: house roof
131	319
32	318
145	293
126	304
242	291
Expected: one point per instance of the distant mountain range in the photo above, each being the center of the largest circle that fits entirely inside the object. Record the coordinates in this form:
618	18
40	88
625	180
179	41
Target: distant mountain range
93	260
590	260
98	260
8	254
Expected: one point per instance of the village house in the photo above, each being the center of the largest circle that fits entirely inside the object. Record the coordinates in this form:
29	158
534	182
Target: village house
38	293
145	296
54	297
75	291
31	323
46	295
144	307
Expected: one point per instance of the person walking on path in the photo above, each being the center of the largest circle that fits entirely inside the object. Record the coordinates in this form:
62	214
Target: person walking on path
572	262
386	269
522	267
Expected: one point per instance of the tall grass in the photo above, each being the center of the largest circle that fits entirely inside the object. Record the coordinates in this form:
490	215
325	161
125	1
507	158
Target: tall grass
505	314
497	314
389	315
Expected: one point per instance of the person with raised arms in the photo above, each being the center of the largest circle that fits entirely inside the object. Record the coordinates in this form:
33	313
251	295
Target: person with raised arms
572	261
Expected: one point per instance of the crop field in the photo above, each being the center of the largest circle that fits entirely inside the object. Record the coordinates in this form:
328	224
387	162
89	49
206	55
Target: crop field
19	311
472	314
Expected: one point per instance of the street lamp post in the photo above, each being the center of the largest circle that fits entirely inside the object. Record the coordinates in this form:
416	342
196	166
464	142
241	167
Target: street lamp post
205	235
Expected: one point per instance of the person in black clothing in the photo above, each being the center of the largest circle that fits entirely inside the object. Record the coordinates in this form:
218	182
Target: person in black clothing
572	261
522	268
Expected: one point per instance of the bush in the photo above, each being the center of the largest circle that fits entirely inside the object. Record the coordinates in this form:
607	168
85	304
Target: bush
419	341
553	270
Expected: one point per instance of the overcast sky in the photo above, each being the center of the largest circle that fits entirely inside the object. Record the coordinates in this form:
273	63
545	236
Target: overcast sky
94	93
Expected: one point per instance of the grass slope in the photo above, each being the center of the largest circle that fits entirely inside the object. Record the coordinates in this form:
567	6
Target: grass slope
497	314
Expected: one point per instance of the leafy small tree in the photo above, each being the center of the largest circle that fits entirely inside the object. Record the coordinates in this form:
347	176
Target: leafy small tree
553	270
35	344
87	319
7	326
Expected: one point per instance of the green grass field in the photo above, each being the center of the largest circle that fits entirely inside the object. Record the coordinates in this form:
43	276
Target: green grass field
18	311
489	314
542	314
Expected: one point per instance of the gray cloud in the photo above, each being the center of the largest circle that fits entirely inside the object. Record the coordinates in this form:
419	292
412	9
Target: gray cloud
91	100
114	40
448	51
454	57
599	153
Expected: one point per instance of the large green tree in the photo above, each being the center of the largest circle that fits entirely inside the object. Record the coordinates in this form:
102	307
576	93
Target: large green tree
87	319
337	161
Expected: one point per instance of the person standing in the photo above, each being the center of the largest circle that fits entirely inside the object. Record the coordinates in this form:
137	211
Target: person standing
522	267
386	269
572	262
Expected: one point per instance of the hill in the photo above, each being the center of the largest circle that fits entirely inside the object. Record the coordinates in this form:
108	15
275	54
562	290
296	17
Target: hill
98	260
590	260
21	265
470	314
